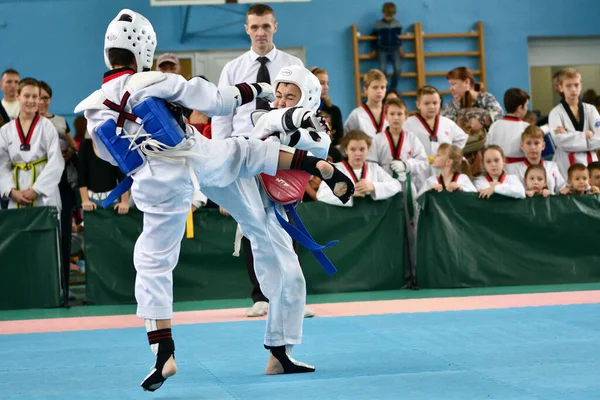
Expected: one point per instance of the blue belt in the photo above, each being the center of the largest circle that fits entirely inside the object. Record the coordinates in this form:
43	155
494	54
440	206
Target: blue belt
301	235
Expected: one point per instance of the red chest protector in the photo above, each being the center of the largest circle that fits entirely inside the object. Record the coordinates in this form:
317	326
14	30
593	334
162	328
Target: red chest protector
286	187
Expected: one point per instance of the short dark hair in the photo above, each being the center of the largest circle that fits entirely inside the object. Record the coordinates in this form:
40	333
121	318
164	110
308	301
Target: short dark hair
593	166
44	86
574	168
259	10
514	98
9	71
27	82
121	57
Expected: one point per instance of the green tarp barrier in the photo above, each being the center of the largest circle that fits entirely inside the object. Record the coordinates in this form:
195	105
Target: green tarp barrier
29	258
464	241
369	256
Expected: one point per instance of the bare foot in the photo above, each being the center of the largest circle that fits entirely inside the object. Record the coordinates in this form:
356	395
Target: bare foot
325	169
274	367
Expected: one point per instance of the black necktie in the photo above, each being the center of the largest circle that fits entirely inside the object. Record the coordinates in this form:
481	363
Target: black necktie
263	76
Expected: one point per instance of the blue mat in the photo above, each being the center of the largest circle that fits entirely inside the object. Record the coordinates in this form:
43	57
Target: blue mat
510	354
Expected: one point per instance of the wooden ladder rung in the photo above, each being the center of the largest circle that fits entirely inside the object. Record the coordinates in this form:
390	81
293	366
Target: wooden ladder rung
442	92
406	94
449	35
371	38
402	75
444	73
370	57
453	54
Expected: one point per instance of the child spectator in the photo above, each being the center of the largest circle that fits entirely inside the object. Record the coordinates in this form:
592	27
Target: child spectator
579	180
370	116
369	178
454	169
536	182
532	144
398	151
506	133
575	125
429	126
496	180
594	169
531	118
389	45
391	94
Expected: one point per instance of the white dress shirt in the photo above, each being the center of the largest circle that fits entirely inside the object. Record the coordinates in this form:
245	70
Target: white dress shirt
245	69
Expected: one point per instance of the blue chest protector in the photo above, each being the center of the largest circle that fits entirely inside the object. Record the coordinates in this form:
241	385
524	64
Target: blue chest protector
159	124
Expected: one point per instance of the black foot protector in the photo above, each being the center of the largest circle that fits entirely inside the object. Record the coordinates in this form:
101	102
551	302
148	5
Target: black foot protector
166	349
340	184
290	366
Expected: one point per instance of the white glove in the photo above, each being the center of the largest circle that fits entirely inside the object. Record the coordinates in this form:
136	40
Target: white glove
400	167
297	117
266	92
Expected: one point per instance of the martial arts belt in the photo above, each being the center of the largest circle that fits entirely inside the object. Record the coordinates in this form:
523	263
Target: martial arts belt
163	132
287	188
34	175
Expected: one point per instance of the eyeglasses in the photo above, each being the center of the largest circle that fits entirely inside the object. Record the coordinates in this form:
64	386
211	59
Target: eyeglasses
45	98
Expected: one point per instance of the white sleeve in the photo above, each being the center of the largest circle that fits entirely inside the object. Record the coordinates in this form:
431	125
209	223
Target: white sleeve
512	187
459	137
6	178
50	176
465	183
481	183
197	94
419	162
199	199
325	195
594	141
570	141
385	186
222	125
351	123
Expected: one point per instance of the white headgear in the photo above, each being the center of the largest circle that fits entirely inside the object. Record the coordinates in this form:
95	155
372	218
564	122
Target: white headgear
309	85
131	31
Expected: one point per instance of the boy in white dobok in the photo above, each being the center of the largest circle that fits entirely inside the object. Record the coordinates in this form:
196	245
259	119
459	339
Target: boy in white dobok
133	124
574	125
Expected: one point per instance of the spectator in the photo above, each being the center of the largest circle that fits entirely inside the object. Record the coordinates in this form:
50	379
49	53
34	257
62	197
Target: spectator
370	116
369	178
30	158
536	181
389	45
579	179
335	115
533	144
594	169
9	83
397	150
496	180
575	125
429	126
168	63
589	96
391	94
473	110
531	118
454	170
506	132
